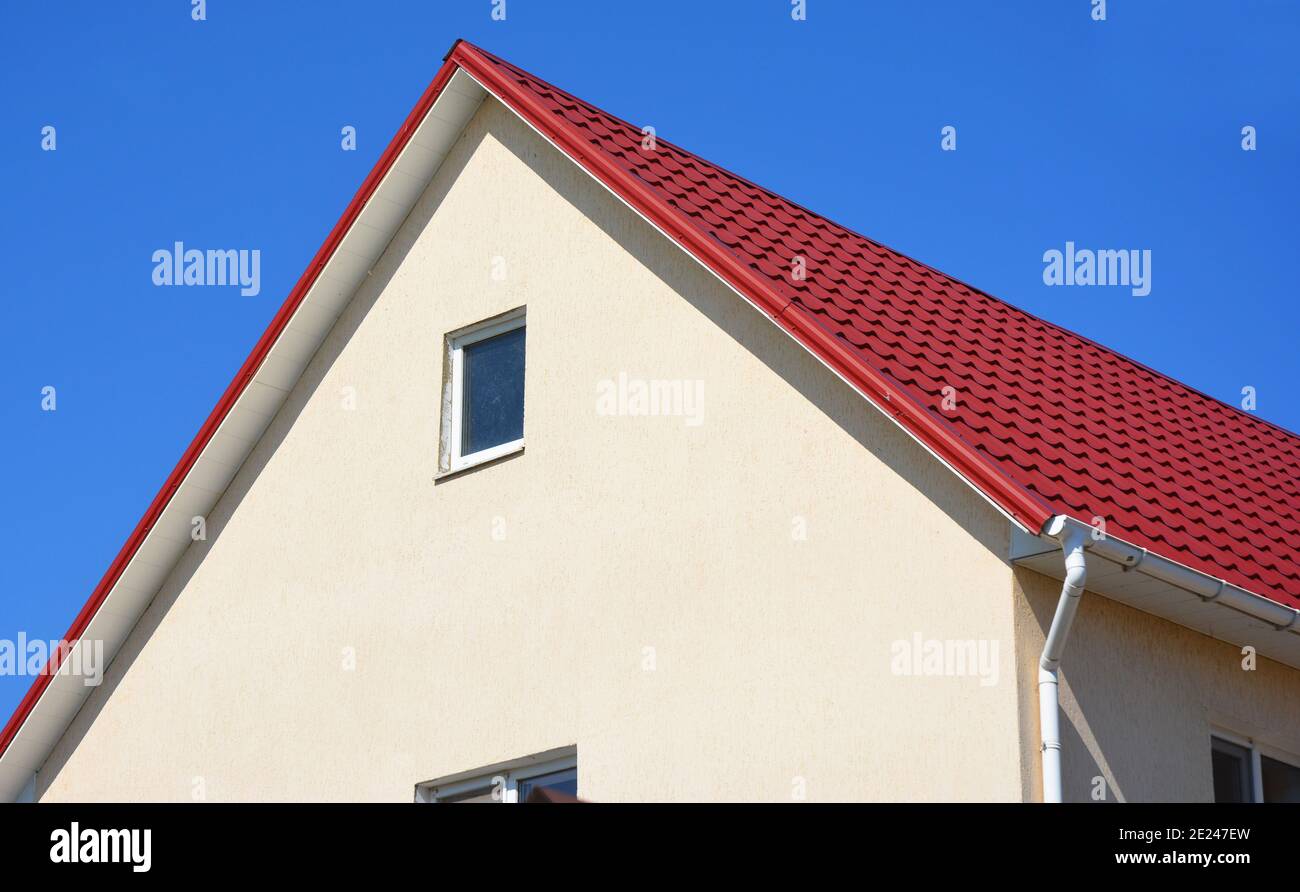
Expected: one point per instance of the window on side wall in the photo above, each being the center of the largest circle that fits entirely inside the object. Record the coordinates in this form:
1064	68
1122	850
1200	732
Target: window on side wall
1246	771
483	400
551	776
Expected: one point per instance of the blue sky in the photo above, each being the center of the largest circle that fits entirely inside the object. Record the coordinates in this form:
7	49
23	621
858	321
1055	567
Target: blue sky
226	133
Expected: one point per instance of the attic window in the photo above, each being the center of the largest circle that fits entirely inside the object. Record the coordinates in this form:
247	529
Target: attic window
486	392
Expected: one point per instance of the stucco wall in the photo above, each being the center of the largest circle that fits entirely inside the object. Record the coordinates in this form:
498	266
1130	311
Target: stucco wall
1139	697
509	610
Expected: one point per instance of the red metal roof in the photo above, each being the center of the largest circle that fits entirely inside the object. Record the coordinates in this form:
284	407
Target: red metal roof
1072	427
1046	422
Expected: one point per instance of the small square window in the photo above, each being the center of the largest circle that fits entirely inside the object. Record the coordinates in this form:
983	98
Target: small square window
485	396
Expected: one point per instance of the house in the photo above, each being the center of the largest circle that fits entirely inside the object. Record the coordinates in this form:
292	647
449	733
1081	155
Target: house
577	462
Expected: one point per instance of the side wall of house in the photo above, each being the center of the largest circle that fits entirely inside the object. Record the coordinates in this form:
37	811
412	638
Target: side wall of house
1140	696
707	605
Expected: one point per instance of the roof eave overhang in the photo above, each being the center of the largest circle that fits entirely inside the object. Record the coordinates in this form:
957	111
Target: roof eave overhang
1140	578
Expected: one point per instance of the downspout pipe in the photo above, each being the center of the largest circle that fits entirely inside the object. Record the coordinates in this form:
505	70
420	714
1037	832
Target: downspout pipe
1074	539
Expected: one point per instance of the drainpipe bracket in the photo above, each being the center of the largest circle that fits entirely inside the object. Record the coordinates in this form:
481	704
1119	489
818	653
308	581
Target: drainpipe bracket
1218	591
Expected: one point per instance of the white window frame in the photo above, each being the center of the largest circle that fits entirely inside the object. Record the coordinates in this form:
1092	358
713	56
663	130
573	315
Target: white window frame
454	400
503	777
1256	750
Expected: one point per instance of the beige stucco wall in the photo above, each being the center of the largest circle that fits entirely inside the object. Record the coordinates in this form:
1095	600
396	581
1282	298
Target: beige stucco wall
509	610
1140	696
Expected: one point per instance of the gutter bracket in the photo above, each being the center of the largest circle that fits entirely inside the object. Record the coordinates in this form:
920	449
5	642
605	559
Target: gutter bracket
1295	617
1218	591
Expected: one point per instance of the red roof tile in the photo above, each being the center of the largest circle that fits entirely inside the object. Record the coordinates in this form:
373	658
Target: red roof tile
1085	431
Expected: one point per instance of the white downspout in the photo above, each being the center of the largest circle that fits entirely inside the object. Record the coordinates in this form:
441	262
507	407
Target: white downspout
1073	538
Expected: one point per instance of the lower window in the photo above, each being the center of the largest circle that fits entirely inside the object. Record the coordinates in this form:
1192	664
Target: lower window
1245	772
551	776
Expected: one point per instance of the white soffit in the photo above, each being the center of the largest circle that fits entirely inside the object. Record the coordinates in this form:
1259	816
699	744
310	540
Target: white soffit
1159	598
362	246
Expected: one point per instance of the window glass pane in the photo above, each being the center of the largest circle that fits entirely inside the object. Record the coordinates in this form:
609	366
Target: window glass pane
564	782
1232	781
492	412
1281	781
472	796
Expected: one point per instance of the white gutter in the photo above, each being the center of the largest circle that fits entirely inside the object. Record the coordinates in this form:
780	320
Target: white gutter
1073	538
1207	588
